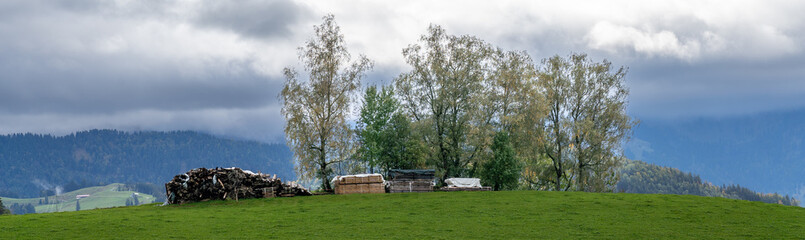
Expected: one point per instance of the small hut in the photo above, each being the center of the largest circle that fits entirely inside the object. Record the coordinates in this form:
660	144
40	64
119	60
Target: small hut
361	183
411	180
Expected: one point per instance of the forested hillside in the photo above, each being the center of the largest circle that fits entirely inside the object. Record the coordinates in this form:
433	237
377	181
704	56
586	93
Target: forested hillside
762	152
31	163
641	177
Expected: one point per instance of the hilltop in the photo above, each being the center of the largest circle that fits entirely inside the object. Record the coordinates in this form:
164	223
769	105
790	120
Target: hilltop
438	215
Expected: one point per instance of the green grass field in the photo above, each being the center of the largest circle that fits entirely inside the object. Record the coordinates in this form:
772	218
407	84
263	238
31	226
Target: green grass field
439	215
100	197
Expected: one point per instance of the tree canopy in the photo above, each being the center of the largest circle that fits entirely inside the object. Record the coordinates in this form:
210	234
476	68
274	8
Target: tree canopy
441	93
384	132
465	108
586	123
316	111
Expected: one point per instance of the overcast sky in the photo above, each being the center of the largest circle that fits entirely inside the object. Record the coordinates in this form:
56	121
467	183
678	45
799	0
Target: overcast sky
215	66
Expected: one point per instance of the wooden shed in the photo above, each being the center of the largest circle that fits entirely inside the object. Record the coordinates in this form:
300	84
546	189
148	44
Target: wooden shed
361	183
411	180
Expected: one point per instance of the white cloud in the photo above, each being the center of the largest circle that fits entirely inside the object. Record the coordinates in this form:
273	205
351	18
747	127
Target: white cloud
612	38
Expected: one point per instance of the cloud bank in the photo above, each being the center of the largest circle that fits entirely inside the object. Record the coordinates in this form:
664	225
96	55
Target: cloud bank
216	66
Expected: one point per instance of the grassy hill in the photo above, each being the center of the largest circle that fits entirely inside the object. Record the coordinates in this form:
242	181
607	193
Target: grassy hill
100	197
440	215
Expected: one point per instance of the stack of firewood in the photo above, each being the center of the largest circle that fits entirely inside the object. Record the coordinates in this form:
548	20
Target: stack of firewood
291	189
203	184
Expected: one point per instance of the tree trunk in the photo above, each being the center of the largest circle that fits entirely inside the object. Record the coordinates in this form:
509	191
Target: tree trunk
558	180
325	185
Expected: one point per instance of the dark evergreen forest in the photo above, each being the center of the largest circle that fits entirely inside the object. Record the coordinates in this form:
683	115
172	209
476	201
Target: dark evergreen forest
641	177
32	165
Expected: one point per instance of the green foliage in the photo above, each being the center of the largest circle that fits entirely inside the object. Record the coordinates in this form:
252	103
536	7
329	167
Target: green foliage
384	133
439	215
3	209
22	208
99	157
641	177
503	170
403	149
373	125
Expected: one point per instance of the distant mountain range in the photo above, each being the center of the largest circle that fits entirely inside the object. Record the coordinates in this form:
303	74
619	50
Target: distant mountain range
764	152
31	164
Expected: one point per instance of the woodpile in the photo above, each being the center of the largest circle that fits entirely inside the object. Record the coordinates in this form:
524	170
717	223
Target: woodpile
362	183
411	180
203	184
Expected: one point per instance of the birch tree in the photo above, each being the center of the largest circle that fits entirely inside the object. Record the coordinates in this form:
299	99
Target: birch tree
316	110
586	122
516	105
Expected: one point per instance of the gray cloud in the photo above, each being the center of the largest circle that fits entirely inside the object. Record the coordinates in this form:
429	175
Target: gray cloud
104	84
254	18
216	66
678	90
143	65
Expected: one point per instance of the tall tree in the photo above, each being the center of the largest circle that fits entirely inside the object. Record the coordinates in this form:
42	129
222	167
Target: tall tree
385	133
586	123
316	110
375	118
513	103
503	170
441	92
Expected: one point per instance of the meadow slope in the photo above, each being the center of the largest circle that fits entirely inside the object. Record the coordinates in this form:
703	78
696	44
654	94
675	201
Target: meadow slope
99	197
439	215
